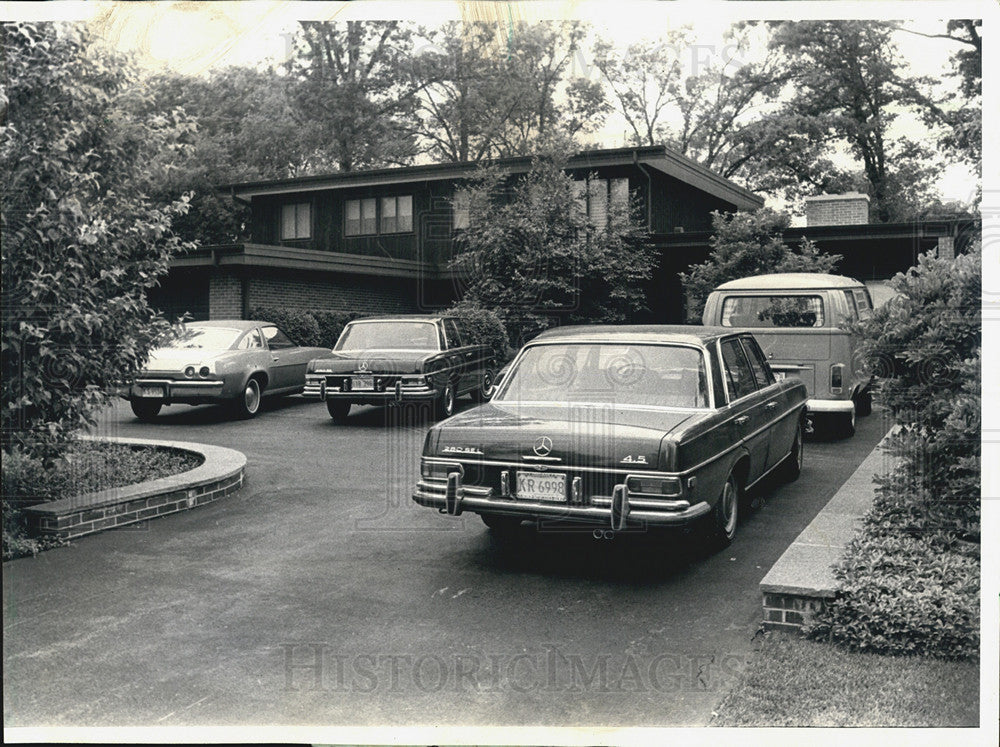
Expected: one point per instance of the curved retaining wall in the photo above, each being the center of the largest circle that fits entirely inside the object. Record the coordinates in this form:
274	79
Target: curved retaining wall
220	474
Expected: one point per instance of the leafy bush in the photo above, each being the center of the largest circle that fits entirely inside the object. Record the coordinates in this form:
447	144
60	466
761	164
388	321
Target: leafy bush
331	324
485	327
904	595
314	328
910	580
747	244
298	324
81	242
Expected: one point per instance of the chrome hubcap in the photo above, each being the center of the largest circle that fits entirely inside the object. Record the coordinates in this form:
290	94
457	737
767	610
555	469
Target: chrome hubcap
449	400
487	384
729	506
251	397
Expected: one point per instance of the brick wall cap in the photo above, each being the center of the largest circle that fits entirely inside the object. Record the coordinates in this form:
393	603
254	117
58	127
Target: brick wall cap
843	196
219	464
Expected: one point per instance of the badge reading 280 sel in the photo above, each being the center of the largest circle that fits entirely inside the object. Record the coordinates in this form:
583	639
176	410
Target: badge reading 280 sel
641	459
461	450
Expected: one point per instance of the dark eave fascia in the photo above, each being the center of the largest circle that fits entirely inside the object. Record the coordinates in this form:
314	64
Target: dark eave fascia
657	156
312	260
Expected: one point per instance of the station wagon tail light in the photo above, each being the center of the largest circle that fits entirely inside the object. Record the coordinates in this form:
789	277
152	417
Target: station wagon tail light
654	487
837	378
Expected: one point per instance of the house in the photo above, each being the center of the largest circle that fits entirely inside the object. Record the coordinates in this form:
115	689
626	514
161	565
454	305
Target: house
380	241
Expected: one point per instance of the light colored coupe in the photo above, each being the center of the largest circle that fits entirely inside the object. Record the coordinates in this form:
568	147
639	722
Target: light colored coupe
233	362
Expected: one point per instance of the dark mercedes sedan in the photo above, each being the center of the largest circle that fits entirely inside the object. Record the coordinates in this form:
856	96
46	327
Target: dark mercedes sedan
622	428
396	360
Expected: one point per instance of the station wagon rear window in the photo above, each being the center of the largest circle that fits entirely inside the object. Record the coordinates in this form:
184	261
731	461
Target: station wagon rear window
773	311
620	374
389	335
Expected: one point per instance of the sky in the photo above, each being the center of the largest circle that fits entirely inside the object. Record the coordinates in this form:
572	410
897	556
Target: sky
196	37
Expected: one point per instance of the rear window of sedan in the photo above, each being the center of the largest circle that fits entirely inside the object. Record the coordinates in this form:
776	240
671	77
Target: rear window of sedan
656	375
773	311
389	335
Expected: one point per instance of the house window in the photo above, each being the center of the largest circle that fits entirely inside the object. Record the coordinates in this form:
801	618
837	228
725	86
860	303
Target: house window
361	217
295	221
460	209
594	196
397	214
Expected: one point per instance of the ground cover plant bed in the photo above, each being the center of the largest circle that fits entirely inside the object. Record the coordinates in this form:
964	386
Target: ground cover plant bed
792	681
84	467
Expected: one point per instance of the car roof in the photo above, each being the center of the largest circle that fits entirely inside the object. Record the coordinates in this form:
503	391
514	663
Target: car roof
650	333
791	281
403	318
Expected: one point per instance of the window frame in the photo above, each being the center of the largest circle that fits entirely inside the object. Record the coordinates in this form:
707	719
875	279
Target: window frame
267	341
752	350
378	202
731	394
295	207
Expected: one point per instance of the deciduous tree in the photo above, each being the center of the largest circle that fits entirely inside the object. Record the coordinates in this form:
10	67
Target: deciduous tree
81	241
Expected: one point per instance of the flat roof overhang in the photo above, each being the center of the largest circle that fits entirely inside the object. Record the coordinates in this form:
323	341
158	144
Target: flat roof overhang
292	258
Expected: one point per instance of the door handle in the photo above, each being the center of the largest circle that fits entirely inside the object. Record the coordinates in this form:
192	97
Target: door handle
742	420
770	405
275	358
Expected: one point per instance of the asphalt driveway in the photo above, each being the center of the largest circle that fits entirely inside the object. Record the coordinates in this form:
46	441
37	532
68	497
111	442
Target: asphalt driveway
320	594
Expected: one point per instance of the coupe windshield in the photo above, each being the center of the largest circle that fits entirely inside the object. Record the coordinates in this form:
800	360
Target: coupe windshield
209	338
389	336
657	375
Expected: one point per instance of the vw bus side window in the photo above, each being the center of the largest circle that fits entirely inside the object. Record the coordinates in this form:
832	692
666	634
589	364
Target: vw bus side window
773	311
864	302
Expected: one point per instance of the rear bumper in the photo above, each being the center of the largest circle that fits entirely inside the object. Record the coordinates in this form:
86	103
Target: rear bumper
316	388
830	405
192	392
617	511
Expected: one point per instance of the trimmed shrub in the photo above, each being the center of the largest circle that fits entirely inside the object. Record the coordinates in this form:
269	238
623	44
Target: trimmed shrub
485	327
331	324
910	580
314	328
298	324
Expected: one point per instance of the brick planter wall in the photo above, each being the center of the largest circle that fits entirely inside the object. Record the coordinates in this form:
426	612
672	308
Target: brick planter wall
221	474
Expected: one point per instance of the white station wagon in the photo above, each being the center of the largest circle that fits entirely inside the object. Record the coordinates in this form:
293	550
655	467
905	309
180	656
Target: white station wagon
800	320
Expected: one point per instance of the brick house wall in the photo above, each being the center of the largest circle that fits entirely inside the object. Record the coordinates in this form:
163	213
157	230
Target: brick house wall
333	292
225	295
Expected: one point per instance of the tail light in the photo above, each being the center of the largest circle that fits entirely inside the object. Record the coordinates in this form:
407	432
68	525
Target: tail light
837	378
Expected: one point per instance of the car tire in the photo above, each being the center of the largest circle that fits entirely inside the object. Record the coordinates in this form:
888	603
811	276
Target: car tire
501	526
485	389
338	411
444	406
146	409
863	403
791	467
247	405
722	521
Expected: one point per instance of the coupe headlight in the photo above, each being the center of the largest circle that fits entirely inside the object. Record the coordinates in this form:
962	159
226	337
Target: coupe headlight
654	487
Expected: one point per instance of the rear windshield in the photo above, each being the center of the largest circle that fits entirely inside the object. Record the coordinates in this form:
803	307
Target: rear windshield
657	375
389	335
772	311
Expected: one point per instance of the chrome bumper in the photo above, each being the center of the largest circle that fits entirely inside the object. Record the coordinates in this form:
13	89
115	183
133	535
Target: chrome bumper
618	511
829	405
174	388
316	388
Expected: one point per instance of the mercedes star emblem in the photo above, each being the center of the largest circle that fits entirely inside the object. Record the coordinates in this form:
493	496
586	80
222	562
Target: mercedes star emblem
543	445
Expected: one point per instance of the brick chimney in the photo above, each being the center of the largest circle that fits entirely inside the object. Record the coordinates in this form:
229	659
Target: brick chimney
848	209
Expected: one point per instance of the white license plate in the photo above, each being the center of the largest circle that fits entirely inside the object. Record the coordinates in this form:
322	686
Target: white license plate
366	383
779	375
541	486
149	391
